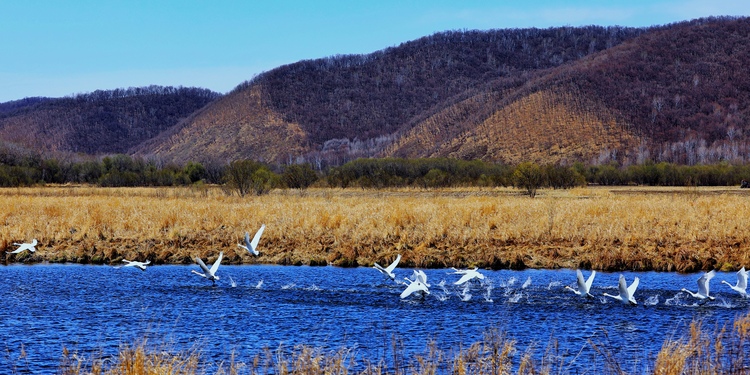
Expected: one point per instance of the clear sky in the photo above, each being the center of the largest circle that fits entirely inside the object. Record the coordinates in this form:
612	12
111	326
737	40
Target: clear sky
57	48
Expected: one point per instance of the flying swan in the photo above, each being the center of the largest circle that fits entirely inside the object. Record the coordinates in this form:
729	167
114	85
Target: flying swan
584	286
24	246
141	265
419	284
467	275
703	287
741	285
209	273
626	292
388	271
252	246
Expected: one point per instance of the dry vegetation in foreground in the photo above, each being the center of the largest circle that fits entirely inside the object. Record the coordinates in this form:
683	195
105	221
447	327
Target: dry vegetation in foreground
594	228
700	352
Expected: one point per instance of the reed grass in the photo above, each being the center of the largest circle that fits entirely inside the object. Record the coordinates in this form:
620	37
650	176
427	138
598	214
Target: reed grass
675	229
699	352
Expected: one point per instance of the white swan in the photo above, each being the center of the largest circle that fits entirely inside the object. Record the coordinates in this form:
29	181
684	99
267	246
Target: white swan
23	247
467	275
209	273
252	246
741	286
703	287
584	286
626	292
388	271
419	284
141	265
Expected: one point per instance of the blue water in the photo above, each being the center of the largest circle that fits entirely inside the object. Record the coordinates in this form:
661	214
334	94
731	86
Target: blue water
93	310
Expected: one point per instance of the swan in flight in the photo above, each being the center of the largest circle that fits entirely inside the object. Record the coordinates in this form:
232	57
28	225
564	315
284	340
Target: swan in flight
24	246
741	285
141	265
252	246
703	287
388	271
626	292
419	284
209	273
467	275
584	286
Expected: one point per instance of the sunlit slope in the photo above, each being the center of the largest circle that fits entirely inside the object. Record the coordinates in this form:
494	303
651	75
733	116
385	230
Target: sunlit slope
234	127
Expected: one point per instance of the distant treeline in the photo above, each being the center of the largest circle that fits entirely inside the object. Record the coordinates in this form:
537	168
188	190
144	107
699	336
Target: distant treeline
246	176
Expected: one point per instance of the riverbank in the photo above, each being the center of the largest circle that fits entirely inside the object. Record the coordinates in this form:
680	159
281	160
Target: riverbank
661	229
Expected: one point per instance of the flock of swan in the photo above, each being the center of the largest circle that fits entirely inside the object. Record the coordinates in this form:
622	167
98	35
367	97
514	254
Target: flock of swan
418	284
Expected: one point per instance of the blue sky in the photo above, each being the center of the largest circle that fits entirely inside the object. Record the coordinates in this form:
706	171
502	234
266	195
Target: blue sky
57	48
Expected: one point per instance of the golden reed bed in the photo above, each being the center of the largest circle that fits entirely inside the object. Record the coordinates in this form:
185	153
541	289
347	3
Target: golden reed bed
674	229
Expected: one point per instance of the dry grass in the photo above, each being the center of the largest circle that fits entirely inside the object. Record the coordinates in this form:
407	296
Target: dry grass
654	229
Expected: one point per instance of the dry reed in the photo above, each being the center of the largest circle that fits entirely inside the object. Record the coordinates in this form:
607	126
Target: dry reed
666	230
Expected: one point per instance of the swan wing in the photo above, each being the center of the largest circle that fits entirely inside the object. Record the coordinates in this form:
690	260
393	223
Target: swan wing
633	287
463	279
590	280
703	283
216	264
247	241
581	282
256	238
622	286
394	264
742	279
413	287
202	266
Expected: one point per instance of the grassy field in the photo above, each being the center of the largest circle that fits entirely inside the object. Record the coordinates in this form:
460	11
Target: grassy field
634	228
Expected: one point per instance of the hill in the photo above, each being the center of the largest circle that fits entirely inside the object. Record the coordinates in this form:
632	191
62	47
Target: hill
100	122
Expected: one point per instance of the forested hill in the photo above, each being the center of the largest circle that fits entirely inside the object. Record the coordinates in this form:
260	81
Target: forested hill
677	93
354	105
100	122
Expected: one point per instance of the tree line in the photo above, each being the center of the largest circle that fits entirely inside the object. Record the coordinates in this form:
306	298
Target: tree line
248	177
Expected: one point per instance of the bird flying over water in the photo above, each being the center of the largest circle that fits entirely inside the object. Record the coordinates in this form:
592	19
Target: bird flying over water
467	275
209	273
141	265
626	292
419	285
24	246
252	246
584	286
388	271
703	287
741	286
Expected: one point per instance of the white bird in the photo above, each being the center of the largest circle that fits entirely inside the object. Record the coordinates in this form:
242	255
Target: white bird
584	286
209	273
467	275
703	287
388	271
24	246
141	265
419	284
741	285
626	292
252	246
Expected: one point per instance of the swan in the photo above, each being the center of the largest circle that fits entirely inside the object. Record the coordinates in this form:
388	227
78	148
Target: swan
388	271
24	246
209	273
252	246
467	275
741	285
626	292
141	265
703	287
419	284
584	286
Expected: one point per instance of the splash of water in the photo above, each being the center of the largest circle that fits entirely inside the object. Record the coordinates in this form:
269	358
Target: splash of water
488	293
465	295
526	283
651	301
445	290
676	300
232	282
441	297
515	298
288	286
313	288
260	284
553	284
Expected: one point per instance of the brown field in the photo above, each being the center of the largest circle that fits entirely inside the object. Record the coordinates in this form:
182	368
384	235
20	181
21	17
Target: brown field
664	229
